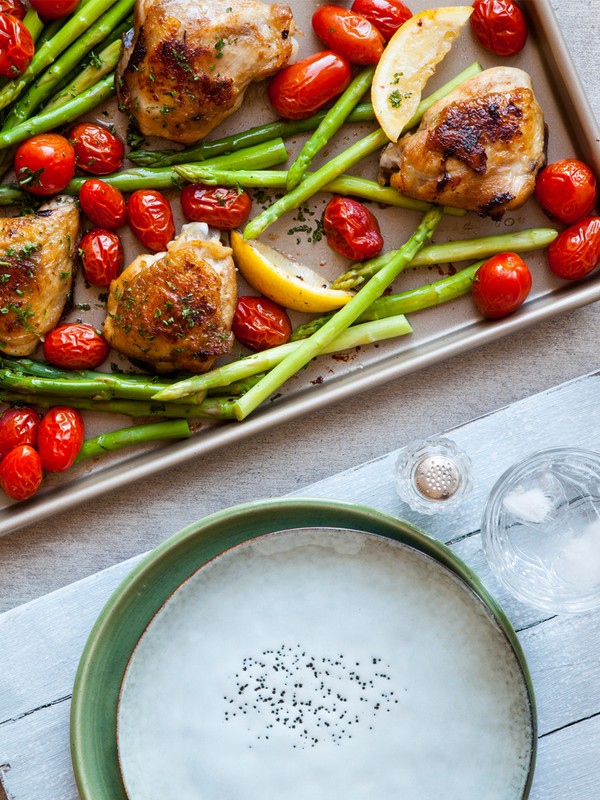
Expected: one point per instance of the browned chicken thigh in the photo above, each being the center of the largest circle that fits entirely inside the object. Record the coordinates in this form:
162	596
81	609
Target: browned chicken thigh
189	62
480	148
173	310
37	260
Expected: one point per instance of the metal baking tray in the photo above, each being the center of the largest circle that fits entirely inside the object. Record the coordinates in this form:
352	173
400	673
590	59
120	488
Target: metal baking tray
439	333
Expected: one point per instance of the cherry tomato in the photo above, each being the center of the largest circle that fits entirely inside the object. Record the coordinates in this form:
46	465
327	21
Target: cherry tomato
259	323
567	190
576	251
54	9
500	26
302	88
386	15
60	438
44	164
102	256
21	472
348	34
97	150
16	46
14	8
351	229
501	285
75	345
151	219
219	206
18	426
103	204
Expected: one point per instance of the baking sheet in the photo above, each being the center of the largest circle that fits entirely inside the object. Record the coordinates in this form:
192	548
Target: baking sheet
438	333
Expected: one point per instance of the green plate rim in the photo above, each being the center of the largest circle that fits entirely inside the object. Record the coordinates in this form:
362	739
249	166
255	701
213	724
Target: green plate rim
145	589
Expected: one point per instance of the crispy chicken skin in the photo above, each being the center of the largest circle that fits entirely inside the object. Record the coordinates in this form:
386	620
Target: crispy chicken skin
480	148
37	261
188	64
173	310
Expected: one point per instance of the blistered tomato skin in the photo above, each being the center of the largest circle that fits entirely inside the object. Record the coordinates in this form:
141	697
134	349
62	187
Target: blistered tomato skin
54	9
14	8
499	26
219	206
60	438
501	285
97	150
351	35
75	346
102	256
44	164
151	219
16	46
576	251
259	323
567	190
21	472
386	15
301	89
18	426
351	229
103	204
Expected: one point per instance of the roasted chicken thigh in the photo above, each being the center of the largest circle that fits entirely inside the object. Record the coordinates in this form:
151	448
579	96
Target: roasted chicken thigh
173	310
480	148
37	259
189	62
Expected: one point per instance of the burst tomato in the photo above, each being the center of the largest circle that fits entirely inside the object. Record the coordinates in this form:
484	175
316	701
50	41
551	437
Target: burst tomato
60	438
16	46
97	150
349	34
75	345
14	8
101	254
259	323
501	285
21	472
576	251
351	229
306	86
567	190
18	426
219	206
151	219
44	164
500	26
103	204
386	15
54	9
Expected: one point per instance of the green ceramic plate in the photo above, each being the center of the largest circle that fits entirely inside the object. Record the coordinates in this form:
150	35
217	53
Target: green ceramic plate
170	583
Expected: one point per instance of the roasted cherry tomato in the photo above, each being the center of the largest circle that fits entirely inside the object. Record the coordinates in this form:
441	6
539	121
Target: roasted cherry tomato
103	204
386	15
18	426
102	256
151	219
21	472
259	323
216	205
567	190
306	86
75	345
44	164
16	46
348	34
60	438
351	229
576	251
501	285
97	150
500	26
15	8
54	9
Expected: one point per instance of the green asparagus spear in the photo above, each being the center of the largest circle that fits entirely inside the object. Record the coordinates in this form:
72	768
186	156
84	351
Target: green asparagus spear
331	123
34	24
134	435
459	250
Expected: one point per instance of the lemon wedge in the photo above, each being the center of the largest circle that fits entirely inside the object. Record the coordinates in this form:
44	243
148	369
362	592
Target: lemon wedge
409	60
275	276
